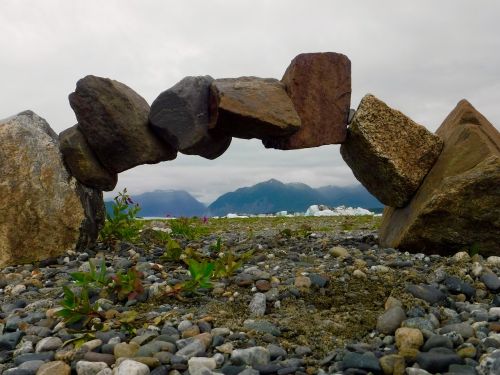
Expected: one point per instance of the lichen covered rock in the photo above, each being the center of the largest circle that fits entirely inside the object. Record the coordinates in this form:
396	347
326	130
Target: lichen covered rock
457	206
388	152
44	211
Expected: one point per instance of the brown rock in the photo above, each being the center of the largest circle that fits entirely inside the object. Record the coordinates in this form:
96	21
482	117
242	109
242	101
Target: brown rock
458	204
388	152
409	338
393	364
251	107
82	162
114	120
44	211
180	116
54	368
319	85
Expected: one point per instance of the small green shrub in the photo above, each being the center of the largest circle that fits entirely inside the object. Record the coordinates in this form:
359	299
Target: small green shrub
201	276
187	228
94	278
122	224
127	286
173	251
77	308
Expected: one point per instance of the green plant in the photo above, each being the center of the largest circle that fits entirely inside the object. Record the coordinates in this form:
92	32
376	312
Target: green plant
121	225
201	276
93	278
227	262
173	251
127	285
77	308
187	228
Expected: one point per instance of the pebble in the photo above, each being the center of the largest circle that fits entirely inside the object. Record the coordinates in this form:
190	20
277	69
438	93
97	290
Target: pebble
48	344
366	361
257	306
129	367
256	355
89	368
438	359
411	338
54	368
457	326
390	320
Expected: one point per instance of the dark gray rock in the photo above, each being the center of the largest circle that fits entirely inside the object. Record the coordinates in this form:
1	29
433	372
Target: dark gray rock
437	341
366	361
461	370
114	120
180	116
82	161
427	293
491	281
438	359
390	320
457	286
44	356
9	341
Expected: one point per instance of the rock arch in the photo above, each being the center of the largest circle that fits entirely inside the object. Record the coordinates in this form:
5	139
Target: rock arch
397	160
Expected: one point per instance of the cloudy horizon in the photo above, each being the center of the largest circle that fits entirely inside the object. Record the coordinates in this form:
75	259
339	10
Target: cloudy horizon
419	57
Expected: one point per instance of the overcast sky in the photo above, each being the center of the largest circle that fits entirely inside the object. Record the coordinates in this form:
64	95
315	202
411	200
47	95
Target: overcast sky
420	57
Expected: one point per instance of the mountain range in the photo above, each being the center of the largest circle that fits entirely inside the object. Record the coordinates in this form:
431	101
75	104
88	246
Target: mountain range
266	197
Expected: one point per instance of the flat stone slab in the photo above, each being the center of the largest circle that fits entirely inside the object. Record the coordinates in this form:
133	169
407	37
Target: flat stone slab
458	204
114	120
388	152
319	85
82	161
251	107
180	116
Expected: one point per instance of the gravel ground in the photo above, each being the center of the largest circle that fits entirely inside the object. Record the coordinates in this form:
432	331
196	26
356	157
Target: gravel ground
316	296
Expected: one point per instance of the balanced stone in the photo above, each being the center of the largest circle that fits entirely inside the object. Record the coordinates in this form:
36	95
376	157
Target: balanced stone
389	153
45	211
319	85
180	116
458	204
114	120
251	107
82	161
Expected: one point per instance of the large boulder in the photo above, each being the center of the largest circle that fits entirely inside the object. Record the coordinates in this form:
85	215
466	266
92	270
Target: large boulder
319	85
114	120
457	207
389	153
251	107
180	116
44	210
82	162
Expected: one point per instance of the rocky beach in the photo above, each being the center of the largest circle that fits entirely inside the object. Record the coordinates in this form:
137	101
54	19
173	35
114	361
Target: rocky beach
311	296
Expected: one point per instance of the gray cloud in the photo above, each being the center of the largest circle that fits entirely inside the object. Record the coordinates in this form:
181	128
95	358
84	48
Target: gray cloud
420	57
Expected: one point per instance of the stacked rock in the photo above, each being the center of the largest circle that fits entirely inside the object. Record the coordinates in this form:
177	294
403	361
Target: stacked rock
442	190
117	130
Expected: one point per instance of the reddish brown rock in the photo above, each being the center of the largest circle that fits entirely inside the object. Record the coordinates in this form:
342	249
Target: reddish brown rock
457	207
114	120
319	85
389	153
82	162
180	116
251	107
